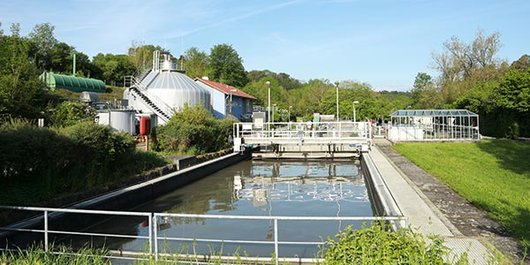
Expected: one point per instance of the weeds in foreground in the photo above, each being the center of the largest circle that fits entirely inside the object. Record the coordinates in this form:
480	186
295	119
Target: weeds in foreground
62	255
379	245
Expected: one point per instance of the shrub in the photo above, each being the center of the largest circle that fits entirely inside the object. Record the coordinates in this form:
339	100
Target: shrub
69	113
39	163
194	130
379	245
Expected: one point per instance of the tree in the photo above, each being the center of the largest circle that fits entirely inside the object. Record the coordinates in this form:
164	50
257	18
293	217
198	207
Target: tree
424	92
463	65
523	63
20	89
15	29
114	67
513	92
60	58
141	55
195	62
43	40
226	66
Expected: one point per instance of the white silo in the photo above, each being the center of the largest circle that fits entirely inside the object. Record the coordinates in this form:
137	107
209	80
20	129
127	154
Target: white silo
165	90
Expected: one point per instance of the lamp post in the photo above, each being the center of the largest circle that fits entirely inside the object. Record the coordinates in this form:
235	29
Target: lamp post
337	87
353	104
268	83
289	117
231	104
273	107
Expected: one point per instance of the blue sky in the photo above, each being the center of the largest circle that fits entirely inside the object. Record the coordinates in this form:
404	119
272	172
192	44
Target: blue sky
380	42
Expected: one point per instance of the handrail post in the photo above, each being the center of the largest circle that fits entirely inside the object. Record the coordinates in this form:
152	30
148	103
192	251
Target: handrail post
276	254
155	236
45	230
150	221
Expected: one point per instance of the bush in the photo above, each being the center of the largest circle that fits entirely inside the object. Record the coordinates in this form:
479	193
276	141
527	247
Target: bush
39	163
69	113
194	131
379	245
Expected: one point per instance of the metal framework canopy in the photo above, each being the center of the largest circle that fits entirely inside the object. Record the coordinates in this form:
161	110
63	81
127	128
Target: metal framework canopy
434	125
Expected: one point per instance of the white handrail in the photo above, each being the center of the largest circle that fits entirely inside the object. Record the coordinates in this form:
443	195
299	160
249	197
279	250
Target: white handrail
153	236
164	107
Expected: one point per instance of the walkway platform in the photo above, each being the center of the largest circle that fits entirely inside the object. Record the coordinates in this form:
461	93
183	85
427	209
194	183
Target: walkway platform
423	215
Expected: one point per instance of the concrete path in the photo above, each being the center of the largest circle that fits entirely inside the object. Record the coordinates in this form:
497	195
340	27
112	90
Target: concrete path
423	215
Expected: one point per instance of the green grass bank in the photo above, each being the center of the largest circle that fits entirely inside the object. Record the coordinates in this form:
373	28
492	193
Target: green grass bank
494	175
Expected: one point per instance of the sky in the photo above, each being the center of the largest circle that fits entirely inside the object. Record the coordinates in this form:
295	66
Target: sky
381	42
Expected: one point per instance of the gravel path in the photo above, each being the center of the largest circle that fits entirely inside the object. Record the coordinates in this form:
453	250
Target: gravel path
468	219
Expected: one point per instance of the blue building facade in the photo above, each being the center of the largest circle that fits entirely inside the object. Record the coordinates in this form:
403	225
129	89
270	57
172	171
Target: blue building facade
227	100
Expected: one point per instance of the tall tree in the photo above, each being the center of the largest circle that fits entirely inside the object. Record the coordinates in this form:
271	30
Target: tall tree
425	95
20	89
44	41
114	67
464	65
195	62
226	66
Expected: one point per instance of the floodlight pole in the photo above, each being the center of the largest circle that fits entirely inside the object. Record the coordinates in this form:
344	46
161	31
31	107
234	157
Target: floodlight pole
353	104
268	83
337	87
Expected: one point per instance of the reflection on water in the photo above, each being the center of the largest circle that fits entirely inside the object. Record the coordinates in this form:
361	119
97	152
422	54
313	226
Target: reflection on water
262	189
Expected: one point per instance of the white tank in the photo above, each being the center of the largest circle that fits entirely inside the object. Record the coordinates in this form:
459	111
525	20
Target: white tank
177	90
121	120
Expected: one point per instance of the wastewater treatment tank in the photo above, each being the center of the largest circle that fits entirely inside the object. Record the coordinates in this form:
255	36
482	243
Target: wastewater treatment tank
119	119
72	83
164	89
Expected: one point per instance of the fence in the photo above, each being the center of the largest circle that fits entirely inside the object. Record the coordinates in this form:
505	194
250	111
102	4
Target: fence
357	130
153	219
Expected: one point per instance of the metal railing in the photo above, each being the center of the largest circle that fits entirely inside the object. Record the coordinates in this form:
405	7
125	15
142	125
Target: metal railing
323	131
162	105
153	219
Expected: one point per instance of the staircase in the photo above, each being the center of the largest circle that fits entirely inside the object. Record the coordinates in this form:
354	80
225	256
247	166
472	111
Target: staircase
159	107
162	114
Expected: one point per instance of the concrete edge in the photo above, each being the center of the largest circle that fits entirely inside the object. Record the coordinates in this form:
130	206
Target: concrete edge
384	200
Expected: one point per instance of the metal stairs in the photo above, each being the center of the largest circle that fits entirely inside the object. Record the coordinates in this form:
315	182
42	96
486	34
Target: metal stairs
165	116
158	106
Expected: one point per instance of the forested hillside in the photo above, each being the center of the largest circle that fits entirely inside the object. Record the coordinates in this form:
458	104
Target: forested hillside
470	75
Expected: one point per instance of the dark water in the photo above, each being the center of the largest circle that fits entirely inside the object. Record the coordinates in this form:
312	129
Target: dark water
253	188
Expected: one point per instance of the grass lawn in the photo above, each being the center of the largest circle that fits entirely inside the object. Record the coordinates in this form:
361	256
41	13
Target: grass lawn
494	175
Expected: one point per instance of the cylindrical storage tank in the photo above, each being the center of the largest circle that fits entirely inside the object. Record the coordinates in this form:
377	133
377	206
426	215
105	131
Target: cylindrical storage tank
121	120
178	90
145	125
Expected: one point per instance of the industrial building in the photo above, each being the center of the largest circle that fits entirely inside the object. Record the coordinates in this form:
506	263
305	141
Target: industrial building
163	90
227	100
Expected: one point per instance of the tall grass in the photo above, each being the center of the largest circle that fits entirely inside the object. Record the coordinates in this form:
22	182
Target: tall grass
63	255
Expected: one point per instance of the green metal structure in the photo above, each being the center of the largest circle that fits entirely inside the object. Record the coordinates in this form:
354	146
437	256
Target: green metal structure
72	83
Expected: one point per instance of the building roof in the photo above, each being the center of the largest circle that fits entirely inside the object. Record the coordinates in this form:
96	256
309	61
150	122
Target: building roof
226	89
171	80
432	113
